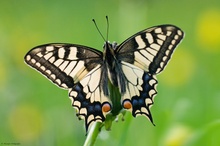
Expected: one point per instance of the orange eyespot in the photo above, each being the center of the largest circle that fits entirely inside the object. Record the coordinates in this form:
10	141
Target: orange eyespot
106	107
127	104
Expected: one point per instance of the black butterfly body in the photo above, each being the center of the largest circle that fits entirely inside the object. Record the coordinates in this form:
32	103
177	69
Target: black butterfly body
130	67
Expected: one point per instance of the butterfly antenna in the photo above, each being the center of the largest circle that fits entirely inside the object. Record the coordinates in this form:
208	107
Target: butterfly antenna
107	26
98	29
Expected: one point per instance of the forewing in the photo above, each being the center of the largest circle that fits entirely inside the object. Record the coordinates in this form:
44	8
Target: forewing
63	64
150	49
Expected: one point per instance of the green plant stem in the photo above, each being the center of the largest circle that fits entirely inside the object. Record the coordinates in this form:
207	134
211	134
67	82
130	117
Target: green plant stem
92	134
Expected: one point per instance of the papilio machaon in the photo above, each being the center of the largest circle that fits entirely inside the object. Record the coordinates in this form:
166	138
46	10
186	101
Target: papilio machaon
130	67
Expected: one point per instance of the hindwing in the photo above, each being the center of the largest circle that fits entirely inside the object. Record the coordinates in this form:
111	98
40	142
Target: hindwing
90	95
140	90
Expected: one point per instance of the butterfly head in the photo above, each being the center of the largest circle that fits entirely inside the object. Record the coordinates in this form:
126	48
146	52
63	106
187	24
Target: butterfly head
108	49
110	46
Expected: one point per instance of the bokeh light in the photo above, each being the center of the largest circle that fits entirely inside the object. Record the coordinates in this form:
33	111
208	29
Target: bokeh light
181	69
176	135
208	32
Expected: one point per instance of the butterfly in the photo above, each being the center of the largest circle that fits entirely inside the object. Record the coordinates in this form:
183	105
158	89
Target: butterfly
89	74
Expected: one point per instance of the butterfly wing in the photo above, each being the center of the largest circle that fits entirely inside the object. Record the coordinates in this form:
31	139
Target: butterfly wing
142	56
63	64
140	88
77	68
90	95
152	48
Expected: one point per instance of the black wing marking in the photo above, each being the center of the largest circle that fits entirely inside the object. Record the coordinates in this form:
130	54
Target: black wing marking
63	64
150	49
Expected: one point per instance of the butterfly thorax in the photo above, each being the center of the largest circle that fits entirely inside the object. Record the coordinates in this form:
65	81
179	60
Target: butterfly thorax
110	61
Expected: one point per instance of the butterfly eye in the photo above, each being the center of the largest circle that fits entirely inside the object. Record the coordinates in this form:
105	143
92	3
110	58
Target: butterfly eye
127	104
106	107
114	45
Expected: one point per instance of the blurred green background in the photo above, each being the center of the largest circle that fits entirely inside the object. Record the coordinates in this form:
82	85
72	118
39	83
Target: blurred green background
186	112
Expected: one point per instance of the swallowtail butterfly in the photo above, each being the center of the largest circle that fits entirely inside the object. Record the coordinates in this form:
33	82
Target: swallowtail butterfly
129	67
